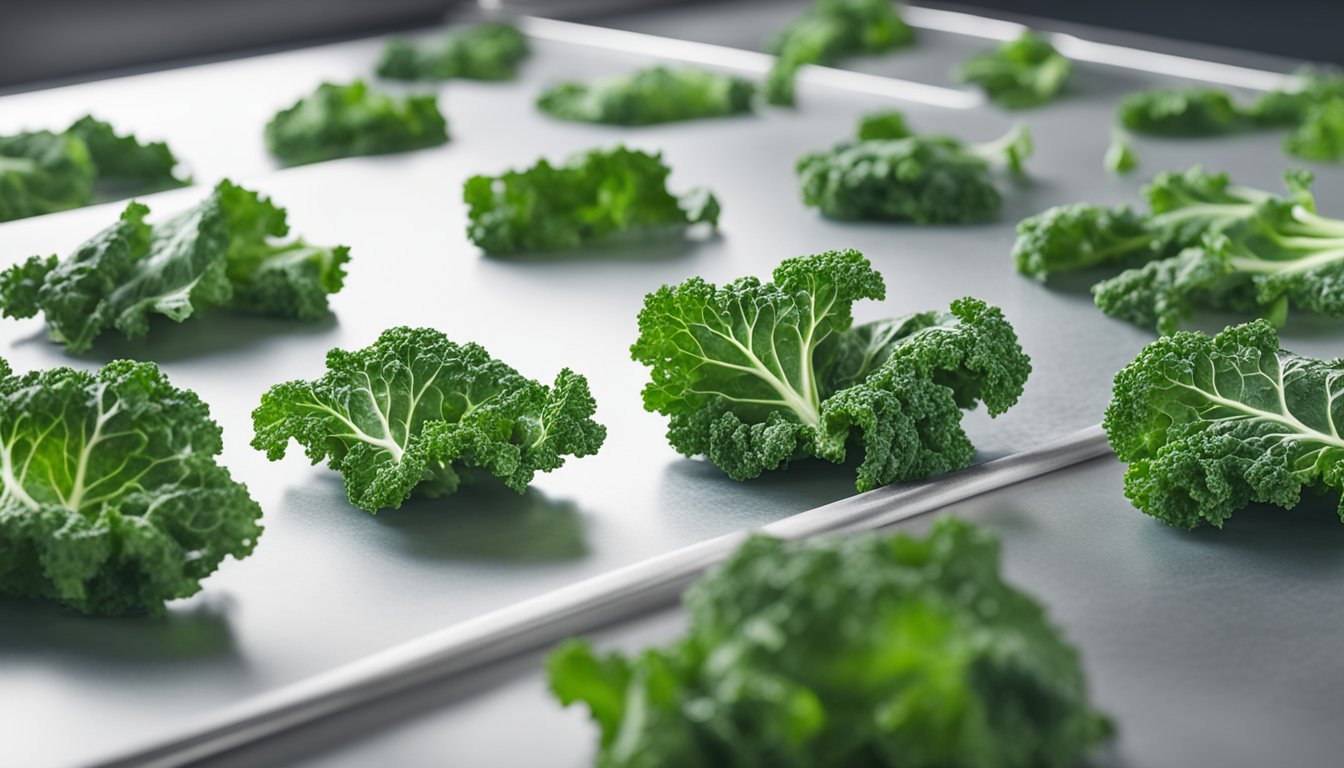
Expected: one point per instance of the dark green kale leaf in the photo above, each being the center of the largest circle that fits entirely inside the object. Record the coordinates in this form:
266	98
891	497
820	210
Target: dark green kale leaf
416	413
1024	72
124	161
877	651
896	176
1181	112
1078	236
223	252
754	375
828	31
1210	425
489	51
43	172
595	195
649	96
1320	136
111	499
352	120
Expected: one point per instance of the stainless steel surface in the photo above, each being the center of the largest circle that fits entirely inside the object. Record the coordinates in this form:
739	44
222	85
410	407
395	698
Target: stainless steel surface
328	584
581	608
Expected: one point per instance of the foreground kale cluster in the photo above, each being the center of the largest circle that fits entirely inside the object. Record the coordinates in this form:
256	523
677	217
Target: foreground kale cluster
223	253
868	651
1206	242
756	374
44	172
111	500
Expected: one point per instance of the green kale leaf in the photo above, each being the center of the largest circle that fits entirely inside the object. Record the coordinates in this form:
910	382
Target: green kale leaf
888	174
111	499
124	161
649	96
1019	73
223	252
43	172
1208	243
1120	157
1320	136
1288	108
490	51
828	31
352	120
1209	425
1181	112
594	196
415	412
876	651
754	375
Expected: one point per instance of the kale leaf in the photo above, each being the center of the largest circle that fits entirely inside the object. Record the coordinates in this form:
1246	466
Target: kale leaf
828	31
889	174
595	195
43	172
1024	72
649	96
755	374
223	252
1181	112
1207	243
124	161
1208	425
874	650
415	412
1320	135
352	120
489	51
1120	157
111	500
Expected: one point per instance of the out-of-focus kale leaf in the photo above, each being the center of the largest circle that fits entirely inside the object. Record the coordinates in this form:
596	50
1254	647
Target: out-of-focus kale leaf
125	161
489	51
877	651
43	172
756	374
1023	72
111	498
417	413
352	120
830	30
594	196
1120	157
224	252
649	96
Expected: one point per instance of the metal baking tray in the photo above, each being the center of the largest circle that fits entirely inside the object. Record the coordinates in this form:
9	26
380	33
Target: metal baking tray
330	584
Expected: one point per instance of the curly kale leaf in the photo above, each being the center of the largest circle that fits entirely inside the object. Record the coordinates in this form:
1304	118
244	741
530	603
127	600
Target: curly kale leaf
351	120
828	31
874	650
649	96
490	51
1320	136
1019	73
1181	112
1209	425
221	253
111	500
594	196
1288	108
415	412
43	172
754	375
124	161
891	174
1078	236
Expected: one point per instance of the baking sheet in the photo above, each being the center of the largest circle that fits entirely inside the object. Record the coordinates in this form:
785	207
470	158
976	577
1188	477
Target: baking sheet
330	584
